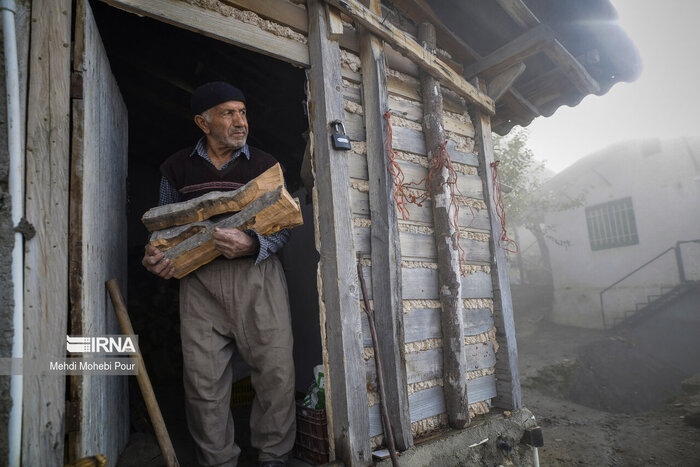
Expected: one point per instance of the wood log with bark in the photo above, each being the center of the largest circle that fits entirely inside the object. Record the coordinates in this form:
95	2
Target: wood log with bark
185	234
214	203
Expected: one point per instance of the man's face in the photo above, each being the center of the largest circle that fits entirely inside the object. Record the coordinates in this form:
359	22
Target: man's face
228	125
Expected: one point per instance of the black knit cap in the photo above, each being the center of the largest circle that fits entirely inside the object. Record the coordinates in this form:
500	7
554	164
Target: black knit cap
212	94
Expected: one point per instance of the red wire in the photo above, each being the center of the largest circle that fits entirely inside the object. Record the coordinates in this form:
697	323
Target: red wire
441	158
504	241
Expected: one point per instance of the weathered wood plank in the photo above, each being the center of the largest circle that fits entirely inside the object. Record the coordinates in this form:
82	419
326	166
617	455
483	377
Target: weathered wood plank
97	239
431	402
355	126
46	255
509	395
423	214
468	185
425	59
410	140
421	247
428	364
422	283
413	110
213	24
407	87
425	324
280	11
447	246
212	204
384	245
343	354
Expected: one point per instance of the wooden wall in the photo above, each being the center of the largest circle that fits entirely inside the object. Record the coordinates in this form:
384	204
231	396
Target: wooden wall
421	305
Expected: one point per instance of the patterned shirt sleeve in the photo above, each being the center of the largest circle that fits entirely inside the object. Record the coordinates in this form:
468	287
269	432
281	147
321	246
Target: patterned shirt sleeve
168	193
269	244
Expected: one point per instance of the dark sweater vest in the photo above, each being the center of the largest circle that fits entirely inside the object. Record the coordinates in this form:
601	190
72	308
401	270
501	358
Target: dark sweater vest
193	176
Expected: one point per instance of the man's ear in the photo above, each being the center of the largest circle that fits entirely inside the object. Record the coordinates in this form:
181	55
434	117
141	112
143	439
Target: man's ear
201	122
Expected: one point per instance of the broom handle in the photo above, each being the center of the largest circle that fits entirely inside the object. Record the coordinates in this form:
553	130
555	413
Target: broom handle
166	446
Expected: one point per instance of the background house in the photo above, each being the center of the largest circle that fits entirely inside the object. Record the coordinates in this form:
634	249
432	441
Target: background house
641	198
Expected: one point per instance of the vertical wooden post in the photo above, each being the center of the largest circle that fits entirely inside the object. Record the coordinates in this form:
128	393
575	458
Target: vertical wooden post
446	240
46	255
507	372
348	411
386	249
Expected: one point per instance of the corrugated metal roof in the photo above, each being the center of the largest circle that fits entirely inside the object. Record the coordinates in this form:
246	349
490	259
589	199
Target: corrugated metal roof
588	29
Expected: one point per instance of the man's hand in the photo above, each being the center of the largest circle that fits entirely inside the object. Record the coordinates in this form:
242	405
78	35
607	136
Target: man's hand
154	262
234	243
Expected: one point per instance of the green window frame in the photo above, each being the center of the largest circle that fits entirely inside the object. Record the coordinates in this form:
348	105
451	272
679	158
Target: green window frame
612	224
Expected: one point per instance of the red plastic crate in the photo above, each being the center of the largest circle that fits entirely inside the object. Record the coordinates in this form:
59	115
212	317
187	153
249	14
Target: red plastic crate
312	435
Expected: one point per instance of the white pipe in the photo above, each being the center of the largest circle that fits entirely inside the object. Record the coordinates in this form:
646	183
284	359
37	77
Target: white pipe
535	457
14	144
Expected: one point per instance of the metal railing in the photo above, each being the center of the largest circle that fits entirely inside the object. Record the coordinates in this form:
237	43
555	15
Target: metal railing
679	264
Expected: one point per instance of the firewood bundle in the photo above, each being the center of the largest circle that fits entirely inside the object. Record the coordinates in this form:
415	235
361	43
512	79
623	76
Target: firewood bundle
183	231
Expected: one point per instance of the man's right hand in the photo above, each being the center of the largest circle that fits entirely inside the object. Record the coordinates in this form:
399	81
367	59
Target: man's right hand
153	261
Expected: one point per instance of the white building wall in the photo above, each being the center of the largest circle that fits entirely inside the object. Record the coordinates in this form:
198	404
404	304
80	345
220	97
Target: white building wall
665	189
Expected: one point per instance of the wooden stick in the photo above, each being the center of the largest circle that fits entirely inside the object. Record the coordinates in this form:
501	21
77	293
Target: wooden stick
166	446
388	432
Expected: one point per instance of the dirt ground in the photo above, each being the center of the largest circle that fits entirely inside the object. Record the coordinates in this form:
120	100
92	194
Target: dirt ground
648	434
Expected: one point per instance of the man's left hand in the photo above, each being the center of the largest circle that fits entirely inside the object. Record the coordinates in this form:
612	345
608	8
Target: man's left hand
234	243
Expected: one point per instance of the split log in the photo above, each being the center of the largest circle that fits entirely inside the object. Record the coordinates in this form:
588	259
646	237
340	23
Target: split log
191	246
214	203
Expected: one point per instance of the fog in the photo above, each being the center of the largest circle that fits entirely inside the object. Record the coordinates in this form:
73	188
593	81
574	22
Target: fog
607	296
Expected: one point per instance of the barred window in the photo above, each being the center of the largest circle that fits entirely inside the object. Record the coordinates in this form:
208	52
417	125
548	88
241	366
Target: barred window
612	224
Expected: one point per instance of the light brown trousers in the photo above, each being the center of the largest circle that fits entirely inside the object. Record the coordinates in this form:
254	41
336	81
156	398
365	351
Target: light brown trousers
231	305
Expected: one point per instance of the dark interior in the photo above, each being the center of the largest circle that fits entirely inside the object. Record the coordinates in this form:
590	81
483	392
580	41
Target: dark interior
157	66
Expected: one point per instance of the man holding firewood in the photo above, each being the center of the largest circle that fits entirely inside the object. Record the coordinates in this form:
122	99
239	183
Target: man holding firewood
238	302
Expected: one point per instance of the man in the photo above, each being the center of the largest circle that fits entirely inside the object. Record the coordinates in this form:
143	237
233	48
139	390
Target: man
236	302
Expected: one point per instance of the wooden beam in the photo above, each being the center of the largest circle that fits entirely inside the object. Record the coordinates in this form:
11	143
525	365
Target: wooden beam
557	53
507	372
420	12
502	82
523	46
214	203
212	24
520	13
446	241
46	254
572	68
385	244
346	405
279	11
426	60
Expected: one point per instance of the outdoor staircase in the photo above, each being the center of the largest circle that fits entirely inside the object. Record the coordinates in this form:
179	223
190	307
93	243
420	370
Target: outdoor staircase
688	268
655	303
